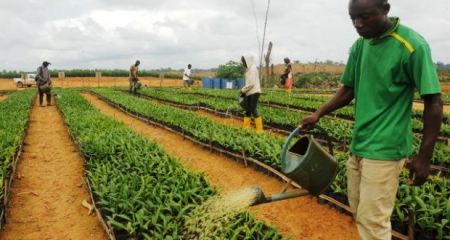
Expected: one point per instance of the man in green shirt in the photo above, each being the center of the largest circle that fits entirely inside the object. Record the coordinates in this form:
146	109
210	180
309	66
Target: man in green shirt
384	68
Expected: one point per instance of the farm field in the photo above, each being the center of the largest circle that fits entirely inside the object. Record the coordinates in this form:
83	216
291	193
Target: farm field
204	120
284	120
228	175
143	109
126	151
48	189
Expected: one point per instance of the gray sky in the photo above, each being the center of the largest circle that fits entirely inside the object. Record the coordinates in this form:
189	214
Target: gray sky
206	33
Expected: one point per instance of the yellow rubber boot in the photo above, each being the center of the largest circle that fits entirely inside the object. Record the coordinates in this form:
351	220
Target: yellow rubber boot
247	122
289	90
259	125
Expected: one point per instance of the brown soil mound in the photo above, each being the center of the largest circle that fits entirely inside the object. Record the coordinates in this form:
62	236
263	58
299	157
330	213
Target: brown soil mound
300	218
48	188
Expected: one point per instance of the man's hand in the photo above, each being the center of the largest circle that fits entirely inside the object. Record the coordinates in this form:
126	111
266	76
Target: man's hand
419	169
309	122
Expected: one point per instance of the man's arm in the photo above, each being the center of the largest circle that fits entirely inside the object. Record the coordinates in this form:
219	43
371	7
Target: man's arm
342	98
38	77
432	119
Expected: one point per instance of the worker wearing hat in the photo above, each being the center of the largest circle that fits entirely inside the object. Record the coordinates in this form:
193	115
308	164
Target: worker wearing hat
134	80
385	66
44	83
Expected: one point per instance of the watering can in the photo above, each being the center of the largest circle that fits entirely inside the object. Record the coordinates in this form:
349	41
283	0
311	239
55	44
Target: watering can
307	164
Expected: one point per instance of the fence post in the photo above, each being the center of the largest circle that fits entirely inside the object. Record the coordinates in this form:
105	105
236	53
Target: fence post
98	75
161	79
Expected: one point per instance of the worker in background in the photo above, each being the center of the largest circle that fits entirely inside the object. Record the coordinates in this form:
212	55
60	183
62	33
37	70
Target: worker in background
252	90
44	83
134	80
187	77
287	76
384	68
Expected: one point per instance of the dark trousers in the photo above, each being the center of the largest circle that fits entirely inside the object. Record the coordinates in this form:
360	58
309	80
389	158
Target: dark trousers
250	108
133	86
41	96
187	83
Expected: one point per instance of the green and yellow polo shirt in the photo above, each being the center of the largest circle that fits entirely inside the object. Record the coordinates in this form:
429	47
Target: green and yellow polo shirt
384	72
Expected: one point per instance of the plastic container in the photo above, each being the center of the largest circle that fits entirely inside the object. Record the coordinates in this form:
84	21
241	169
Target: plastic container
227	84
216	83
206	82
240	83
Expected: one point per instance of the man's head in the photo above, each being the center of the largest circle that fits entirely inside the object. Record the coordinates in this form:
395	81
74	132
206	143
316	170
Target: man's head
137	63
287	60
45	63
369	17
189	66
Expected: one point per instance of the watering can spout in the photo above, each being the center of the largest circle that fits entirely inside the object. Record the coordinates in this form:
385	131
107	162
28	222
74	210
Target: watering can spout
261	198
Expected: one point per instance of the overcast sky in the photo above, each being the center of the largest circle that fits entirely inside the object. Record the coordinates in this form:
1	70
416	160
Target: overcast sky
114	33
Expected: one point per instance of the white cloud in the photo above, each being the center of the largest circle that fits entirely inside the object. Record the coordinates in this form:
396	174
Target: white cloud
206	33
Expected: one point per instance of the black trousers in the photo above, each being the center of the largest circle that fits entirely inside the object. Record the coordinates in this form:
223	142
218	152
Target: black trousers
252	103
48	96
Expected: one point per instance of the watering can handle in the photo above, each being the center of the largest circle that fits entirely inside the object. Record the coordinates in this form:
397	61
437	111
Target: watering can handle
324	132
294	134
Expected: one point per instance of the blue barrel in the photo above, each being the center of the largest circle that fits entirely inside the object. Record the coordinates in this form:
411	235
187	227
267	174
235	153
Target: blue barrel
225	83
235	84
206	82
240	83
216	83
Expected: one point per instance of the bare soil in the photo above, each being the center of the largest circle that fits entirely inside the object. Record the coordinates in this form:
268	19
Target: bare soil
445	87
48	188
3	97
300	218
7	84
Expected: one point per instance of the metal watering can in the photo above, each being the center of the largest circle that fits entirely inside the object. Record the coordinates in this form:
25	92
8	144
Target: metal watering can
307	164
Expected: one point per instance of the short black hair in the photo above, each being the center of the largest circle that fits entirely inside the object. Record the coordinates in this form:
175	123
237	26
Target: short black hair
382	2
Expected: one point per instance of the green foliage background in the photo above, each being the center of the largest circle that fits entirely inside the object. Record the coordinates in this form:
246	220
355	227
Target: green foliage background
230	70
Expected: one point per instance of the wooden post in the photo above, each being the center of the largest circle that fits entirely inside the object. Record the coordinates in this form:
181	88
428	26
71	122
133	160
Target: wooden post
411	224
271	70
267	60
98	75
